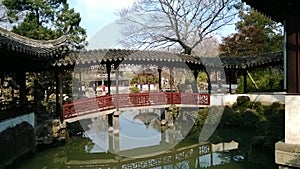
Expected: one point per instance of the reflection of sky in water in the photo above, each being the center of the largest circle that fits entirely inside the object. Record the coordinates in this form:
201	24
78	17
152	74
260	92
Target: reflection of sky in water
133	133
205	160
218	158
135	128
98	134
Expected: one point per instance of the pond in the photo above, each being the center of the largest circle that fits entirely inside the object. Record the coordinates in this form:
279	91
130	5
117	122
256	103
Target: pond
141	142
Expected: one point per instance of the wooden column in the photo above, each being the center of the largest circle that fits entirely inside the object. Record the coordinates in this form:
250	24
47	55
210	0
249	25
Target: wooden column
117	87
293	54
230	80
162	114
159	78
292	108
208	82
286	154
245	80
108	70
21	80
171	82
194	85
1	77
59	95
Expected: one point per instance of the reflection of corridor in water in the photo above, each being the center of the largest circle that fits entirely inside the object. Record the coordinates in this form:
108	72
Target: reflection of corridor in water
132	134
137	129
81	152
140	143
198	155
148	118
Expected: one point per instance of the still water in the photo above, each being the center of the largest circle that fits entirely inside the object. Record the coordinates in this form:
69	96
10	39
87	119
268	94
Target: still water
139	142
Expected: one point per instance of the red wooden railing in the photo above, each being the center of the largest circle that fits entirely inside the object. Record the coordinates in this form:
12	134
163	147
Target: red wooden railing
101	103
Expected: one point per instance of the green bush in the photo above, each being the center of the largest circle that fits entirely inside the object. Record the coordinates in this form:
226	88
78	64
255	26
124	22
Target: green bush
267	120
242	104
230	118
250	119
201	116
241	100
266	79
258	107
274	126
134	90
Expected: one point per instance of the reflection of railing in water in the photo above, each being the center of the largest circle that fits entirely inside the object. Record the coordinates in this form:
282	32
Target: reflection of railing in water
171	157
101	103
190	155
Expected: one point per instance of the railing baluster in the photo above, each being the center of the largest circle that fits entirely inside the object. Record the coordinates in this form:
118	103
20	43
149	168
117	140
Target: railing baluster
101	103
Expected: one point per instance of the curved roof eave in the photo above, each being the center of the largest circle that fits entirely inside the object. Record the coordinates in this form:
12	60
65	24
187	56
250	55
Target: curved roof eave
36	49
161	58
125	56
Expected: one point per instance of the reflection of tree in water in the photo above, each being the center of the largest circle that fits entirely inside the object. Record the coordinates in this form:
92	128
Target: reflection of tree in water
97	130
225	157
98	125
74	147
79	144
182	122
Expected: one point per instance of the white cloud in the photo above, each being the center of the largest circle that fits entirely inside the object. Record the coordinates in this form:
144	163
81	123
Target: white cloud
106	37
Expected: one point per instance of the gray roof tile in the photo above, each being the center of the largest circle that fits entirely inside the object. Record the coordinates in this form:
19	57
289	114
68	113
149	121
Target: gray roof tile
102	56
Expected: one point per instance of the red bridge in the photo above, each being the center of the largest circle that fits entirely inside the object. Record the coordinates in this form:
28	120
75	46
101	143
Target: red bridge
101	103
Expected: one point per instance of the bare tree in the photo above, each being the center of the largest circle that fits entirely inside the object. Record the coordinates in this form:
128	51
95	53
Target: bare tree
174	24
209	47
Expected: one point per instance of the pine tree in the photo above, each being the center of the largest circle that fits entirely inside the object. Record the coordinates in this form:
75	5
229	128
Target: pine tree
256	34
45	19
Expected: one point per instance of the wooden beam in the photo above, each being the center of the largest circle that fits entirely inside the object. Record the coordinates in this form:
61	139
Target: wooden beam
252	80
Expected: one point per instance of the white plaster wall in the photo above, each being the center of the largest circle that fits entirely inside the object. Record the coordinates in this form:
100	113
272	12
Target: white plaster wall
17	120
217	99
229	99
292	116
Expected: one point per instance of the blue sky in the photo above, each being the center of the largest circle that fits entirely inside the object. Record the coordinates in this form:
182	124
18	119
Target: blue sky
96	14
98	18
